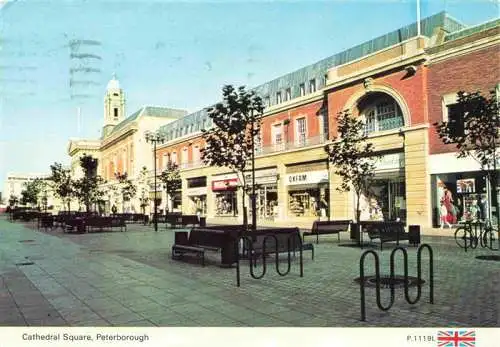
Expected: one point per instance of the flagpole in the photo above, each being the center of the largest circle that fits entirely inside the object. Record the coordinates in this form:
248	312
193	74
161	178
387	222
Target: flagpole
418	17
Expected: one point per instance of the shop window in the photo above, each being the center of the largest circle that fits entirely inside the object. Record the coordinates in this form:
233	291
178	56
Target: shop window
300	132
308	203
383	116
225	204
302	89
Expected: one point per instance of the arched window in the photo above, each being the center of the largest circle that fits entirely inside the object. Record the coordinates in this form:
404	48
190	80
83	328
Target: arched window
383	114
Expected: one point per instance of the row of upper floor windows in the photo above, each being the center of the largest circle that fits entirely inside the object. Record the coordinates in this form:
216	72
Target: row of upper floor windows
289	93
284	95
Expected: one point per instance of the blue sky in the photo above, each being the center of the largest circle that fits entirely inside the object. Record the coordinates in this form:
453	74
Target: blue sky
166	53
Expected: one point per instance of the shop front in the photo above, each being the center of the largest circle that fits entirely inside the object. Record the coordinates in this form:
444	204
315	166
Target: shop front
266	190
225	191
461	195
386	198
158	197
197	195
308	193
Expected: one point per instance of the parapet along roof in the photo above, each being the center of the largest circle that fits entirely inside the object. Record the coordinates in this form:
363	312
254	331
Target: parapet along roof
317	71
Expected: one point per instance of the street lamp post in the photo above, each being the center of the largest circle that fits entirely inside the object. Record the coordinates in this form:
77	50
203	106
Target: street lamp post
254	203
154	138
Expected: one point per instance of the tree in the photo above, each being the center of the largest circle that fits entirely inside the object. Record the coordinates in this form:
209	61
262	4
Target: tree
127	188
31	191
87	188
63	184
230	142
171	180
474	132
13	201
352	156
143	186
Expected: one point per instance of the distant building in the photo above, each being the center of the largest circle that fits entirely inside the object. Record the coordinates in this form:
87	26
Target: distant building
122	147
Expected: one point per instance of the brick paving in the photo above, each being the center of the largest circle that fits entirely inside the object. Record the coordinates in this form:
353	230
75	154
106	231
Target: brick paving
129	279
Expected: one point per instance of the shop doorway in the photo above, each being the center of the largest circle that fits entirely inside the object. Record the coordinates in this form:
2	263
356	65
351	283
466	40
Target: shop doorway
386	200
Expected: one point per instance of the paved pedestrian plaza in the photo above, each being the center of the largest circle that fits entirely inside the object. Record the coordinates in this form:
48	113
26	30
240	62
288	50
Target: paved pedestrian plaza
129	279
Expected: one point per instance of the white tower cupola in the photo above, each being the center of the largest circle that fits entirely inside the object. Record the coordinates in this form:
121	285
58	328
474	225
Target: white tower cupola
114	106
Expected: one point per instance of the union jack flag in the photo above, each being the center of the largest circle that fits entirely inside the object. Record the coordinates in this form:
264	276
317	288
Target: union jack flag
456	338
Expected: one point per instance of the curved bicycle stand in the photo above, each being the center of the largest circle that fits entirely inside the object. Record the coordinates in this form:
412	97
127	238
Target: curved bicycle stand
392	276
253	259
478	235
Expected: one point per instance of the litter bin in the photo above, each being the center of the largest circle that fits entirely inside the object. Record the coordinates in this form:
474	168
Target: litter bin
414	235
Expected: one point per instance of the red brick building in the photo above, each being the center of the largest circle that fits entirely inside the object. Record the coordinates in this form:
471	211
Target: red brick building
399	83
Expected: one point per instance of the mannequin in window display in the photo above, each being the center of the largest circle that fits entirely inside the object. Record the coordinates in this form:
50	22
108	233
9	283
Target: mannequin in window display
451	209
474	211
323	205
484	208
375	210
443	211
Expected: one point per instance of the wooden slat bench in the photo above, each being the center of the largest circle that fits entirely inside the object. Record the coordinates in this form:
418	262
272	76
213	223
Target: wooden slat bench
327	227
201	240
385	231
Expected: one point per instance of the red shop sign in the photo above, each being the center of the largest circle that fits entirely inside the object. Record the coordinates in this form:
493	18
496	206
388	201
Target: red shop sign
229	184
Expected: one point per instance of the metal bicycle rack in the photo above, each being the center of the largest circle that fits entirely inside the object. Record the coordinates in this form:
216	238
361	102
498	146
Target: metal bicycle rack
475	229
253	259
392	277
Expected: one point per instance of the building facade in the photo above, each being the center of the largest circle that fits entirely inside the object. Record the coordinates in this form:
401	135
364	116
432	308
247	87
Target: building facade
122	148
400	83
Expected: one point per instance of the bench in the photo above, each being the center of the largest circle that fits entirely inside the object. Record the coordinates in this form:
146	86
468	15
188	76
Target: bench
74	225
385	231
102	223
175	220
202	239
45	221
327	227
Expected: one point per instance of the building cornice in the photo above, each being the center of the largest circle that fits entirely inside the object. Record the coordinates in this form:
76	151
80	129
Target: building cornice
452	52
120	135
398	63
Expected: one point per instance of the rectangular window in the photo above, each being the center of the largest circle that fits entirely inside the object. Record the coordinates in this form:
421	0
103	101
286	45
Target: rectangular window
257	144
312	85
288	94
455	119
267	101
301	132
278	98
277	137
165	161
302	89
173	157
203	122
115	113
196	155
